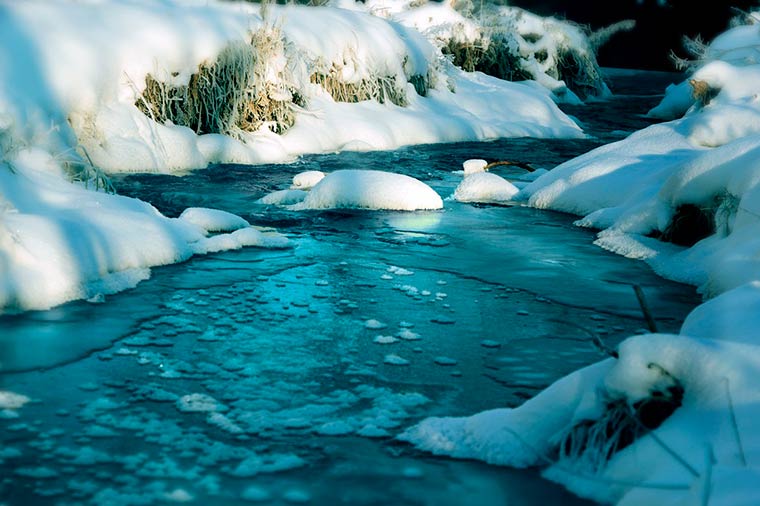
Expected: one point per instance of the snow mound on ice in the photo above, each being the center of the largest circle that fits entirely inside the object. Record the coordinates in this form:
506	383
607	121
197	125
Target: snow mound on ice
307	180
474	166
371	189
60	241
283	197
484	187
213	220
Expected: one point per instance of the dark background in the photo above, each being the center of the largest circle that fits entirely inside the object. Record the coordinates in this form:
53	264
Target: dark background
659	29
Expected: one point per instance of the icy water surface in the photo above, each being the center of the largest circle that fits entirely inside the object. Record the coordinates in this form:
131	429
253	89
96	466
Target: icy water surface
283	376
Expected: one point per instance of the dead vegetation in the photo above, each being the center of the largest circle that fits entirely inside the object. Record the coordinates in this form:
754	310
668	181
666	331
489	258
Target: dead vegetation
383	89
592	443
235	93
495	55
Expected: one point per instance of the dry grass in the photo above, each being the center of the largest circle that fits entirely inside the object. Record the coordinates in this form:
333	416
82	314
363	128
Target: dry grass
80	169
383	89
590	444
580	72
230	95
493	55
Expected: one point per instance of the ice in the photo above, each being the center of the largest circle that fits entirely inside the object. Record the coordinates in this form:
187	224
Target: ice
395	360
199	403
336	428
274	463
384	340
373	324
408	335
179	495
254	493
370	189
445	361
487	343
12	400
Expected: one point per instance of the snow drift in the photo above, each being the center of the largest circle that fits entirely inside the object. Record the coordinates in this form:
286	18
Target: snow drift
370	189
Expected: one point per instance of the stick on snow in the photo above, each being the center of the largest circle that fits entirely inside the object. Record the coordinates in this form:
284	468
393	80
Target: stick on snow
645	309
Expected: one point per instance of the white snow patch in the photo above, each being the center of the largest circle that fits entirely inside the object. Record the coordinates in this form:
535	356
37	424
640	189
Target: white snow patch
307	180
213	220
12	400
484	187
371	189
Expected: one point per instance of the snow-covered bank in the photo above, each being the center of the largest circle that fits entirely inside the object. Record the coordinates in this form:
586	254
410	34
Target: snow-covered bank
84	69
60	241
670	420
507	42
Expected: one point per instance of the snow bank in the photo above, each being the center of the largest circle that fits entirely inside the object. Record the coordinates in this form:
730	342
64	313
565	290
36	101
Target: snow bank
60	241
692	182
89	70
535	432
736	47
507	42
671	419
371	189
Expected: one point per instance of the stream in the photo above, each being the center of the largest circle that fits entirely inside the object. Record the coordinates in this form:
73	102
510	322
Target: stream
282	376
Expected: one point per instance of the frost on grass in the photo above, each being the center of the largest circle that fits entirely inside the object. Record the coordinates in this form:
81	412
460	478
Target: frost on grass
512	44
248	86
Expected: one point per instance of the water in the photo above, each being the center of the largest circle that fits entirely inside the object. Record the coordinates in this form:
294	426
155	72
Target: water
261	374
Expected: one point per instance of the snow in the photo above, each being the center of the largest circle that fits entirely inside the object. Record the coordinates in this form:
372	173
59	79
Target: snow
536	43
632	192
474	166
213	220
370	189
484	187
93	77
284	197
199	403
307	180
60	241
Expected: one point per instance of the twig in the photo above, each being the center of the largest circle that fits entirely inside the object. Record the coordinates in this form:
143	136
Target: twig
707	484
609	481
735	425
595	338
670	451
645	309
522	165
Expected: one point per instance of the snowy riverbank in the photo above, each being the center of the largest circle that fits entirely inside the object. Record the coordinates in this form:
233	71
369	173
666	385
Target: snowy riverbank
170	86
669	421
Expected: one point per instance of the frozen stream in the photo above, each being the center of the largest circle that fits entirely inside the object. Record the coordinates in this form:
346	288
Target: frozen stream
282	376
